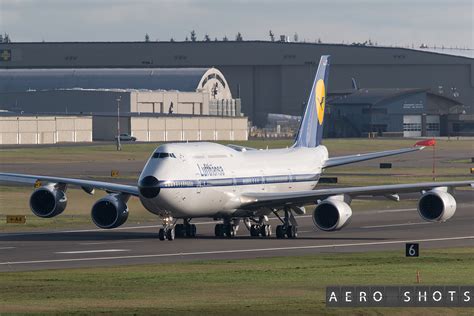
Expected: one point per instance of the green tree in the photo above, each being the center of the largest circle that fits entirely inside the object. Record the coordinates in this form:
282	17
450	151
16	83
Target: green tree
193	36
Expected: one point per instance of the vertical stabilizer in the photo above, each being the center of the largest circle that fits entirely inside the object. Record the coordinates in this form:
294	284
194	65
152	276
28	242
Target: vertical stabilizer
311	128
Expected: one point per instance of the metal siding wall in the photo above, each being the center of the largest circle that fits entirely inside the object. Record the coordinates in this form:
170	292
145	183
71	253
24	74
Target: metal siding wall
45	129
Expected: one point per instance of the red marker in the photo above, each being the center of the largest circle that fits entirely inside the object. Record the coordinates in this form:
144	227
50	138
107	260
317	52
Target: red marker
427	142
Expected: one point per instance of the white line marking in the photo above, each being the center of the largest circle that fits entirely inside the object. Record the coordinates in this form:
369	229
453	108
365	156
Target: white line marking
395	211
109	242
397	225
92	251
2	248
239	251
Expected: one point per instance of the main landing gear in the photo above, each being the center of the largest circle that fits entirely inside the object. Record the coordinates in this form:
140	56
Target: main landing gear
186	229
259	228
228	229
171	230
289	228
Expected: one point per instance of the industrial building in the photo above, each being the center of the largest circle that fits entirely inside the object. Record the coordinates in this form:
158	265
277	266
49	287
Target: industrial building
44	129
51	129
161	128
193	91
269	77
191	104
390	112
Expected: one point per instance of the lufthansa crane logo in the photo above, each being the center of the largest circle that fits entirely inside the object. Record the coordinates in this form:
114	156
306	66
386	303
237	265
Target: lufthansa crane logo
320	100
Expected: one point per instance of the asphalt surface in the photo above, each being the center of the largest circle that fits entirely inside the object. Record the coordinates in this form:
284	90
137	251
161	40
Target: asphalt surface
368	231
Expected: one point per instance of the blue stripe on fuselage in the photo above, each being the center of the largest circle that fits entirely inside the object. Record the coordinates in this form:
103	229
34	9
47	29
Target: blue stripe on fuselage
221	182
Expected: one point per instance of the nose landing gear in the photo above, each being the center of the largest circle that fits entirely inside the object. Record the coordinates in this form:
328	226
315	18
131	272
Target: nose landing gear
168	230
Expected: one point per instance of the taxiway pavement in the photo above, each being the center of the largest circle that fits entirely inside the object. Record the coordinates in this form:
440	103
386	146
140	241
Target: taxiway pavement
369	231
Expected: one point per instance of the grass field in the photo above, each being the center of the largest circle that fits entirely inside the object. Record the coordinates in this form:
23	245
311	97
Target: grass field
280	285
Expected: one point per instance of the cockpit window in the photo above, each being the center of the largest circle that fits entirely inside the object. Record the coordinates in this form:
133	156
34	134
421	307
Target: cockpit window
163	155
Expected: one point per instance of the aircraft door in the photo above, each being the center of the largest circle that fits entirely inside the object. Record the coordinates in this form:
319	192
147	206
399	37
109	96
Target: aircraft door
198	186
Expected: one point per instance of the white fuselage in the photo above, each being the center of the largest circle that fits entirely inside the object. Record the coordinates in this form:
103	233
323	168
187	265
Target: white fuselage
208	179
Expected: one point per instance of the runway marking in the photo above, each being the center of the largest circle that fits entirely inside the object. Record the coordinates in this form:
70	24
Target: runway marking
397	225
109	242
91	251
238	251
2	248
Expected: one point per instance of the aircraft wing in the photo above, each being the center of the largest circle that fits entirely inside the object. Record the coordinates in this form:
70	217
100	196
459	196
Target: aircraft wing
85	184
257	199
344	160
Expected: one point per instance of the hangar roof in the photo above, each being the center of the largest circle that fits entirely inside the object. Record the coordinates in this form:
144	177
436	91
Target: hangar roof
181	79
377	96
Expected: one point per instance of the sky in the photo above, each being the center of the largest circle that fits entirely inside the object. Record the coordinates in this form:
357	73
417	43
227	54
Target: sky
397	22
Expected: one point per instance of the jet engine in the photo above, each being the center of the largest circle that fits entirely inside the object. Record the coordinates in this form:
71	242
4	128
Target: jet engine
436	205
110	211
332	214
48	201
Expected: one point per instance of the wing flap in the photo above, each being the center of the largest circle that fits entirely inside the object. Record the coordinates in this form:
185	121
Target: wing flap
89	184
257	199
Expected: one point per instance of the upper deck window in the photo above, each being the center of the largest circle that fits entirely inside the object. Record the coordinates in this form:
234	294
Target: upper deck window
163	155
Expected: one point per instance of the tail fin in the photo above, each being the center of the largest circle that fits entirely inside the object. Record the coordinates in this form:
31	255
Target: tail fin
310	133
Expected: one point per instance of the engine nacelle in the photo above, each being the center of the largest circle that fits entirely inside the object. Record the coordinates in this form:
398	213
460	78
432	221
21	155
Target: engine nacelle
47	201
332	214
110	211
436	205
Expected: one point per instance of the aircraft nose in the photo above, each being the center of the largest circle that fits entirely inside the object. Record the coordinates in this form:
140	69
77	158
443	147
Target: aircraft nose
148	187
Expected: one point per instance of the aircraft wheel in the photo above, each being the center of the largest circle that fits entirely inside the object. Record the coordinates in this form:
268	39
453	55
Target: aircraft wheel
180	230
264	230
161	234
219	230
170	234
254	231
230	231
279	232
292	231
191	230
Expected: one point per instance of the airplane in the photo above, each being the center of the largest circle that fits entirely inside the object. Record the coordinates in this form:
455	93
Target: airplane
234	184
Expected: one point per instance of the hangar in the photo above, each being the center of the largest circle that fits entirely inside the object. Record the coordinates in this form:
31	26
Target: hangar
196	91
269	77
390	112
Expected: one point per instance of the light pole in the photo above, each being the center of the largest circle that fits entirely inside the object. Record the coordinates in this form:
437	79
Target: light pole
119	146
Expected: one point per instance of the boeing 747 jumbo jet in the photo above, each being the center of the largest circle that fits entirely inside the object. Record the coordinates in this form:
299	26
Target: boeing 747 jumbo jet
234	184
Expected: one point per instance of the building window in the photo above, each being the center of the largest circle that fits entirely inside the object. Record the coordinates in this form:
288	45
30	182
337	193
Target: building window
412	127
433	127
220	80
